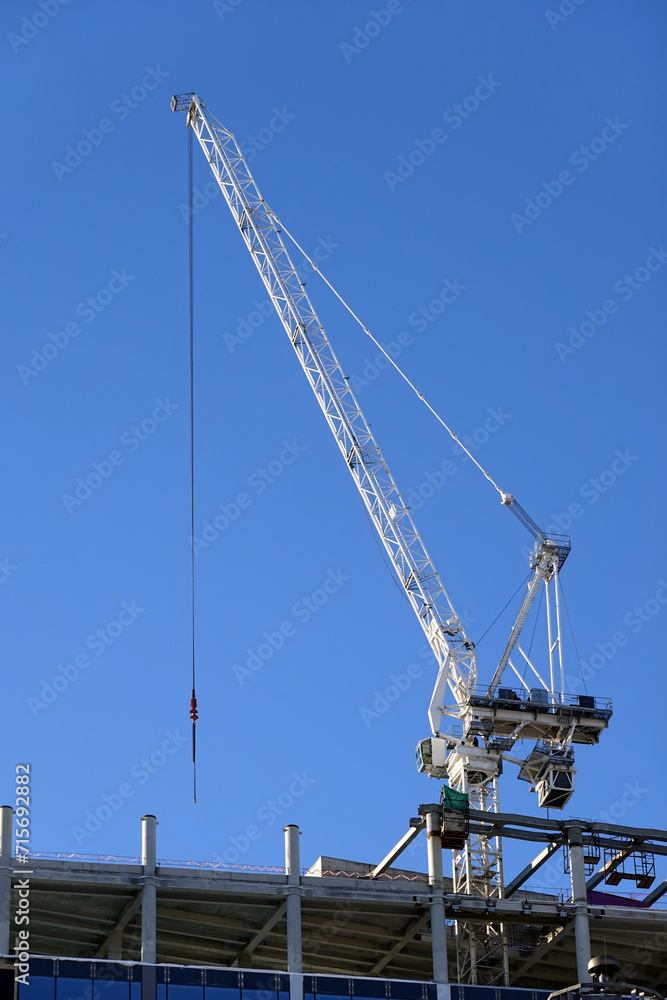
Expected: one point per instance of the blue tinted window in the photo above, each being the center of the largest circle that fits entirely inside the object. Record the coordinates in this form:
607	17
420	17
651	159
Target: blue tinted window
111	981
259	980
74	970
185	976
160	992
176	991
135	991
42	967
39	988
479	993
368	988
222	977
259	994
326	984
333	996
110	972
409	991
68	988
111	990
220	992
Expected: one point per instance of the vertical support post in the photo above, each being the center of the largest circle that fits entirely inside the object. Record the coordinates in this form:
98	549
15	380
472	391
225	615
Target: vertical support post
293	910
550	638
559	634
6	820
438	926
582	940
115	946
501	889
148	891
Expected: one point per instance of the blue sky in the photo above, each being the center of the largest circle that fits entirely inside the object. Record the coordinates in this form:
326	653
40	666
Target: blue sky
482	183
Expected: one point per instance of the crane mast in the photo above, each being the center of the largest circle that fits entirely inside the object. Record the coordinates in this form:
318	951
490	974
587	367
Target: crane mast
480	714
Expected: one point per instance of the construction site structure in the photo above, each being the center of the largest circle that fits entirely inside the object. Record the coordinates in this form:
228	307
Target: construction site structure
484	721
126	928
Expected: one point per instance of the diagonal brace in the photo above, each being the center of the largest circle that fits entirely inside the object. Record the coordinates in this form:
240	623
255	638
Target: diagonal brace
262	932
536	863
405	840
123	920
413	927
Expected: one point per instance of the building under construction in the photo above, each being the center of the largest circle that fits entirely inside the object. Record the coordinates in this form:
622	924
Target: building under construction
142	928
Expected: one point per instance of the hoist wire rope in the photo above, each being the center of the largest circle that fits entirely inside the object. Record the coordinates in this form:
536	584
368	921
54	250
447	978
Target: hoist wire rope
532	638
312	263
384	558
574	641
193	699
522	584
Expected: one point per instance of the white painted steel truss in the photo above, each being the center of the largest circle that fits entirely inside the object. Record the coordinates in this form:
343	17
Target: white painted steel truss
385	504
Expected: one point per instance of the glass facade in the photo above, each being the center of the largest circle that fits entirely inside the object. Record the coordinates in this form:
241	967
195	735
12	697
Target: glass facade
65	979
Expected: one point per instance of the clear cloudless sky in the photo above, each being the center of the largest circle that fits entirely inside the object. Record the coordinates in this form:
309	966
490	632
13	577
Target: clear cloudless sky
542	206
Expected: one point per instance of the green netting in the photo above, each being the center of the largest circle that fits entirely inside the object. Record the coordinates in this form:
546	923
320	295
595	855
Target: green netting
454	801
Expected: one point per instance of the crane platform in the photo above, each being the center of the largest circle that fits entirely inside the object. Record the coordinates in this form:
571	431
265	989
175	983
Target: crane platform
514	713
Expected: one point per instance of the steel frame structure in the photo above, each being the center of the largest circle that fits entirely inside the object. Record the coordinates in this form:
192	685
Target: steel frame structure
355	919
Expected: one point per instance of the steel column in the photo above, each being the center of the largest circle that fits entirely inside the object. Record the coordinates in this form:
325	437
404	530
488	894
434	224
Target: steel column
438	926
293	902
578	876
148	891
6	819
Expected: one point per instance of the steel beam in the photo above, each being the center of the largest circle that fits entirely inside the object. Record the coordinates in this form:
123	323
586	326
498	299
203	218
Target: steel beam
531	868
123	920
261	933
404	842
413	928
115	946
656	893
557	826
542	950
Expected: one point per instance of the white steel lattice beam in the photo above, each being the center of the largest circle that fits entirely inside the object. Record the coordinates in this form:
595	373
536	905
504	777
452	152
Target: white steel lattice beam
393	522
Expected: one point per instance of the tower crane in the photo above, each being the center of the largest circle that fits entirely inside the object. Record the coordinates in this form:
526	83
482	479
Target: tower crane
486	720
